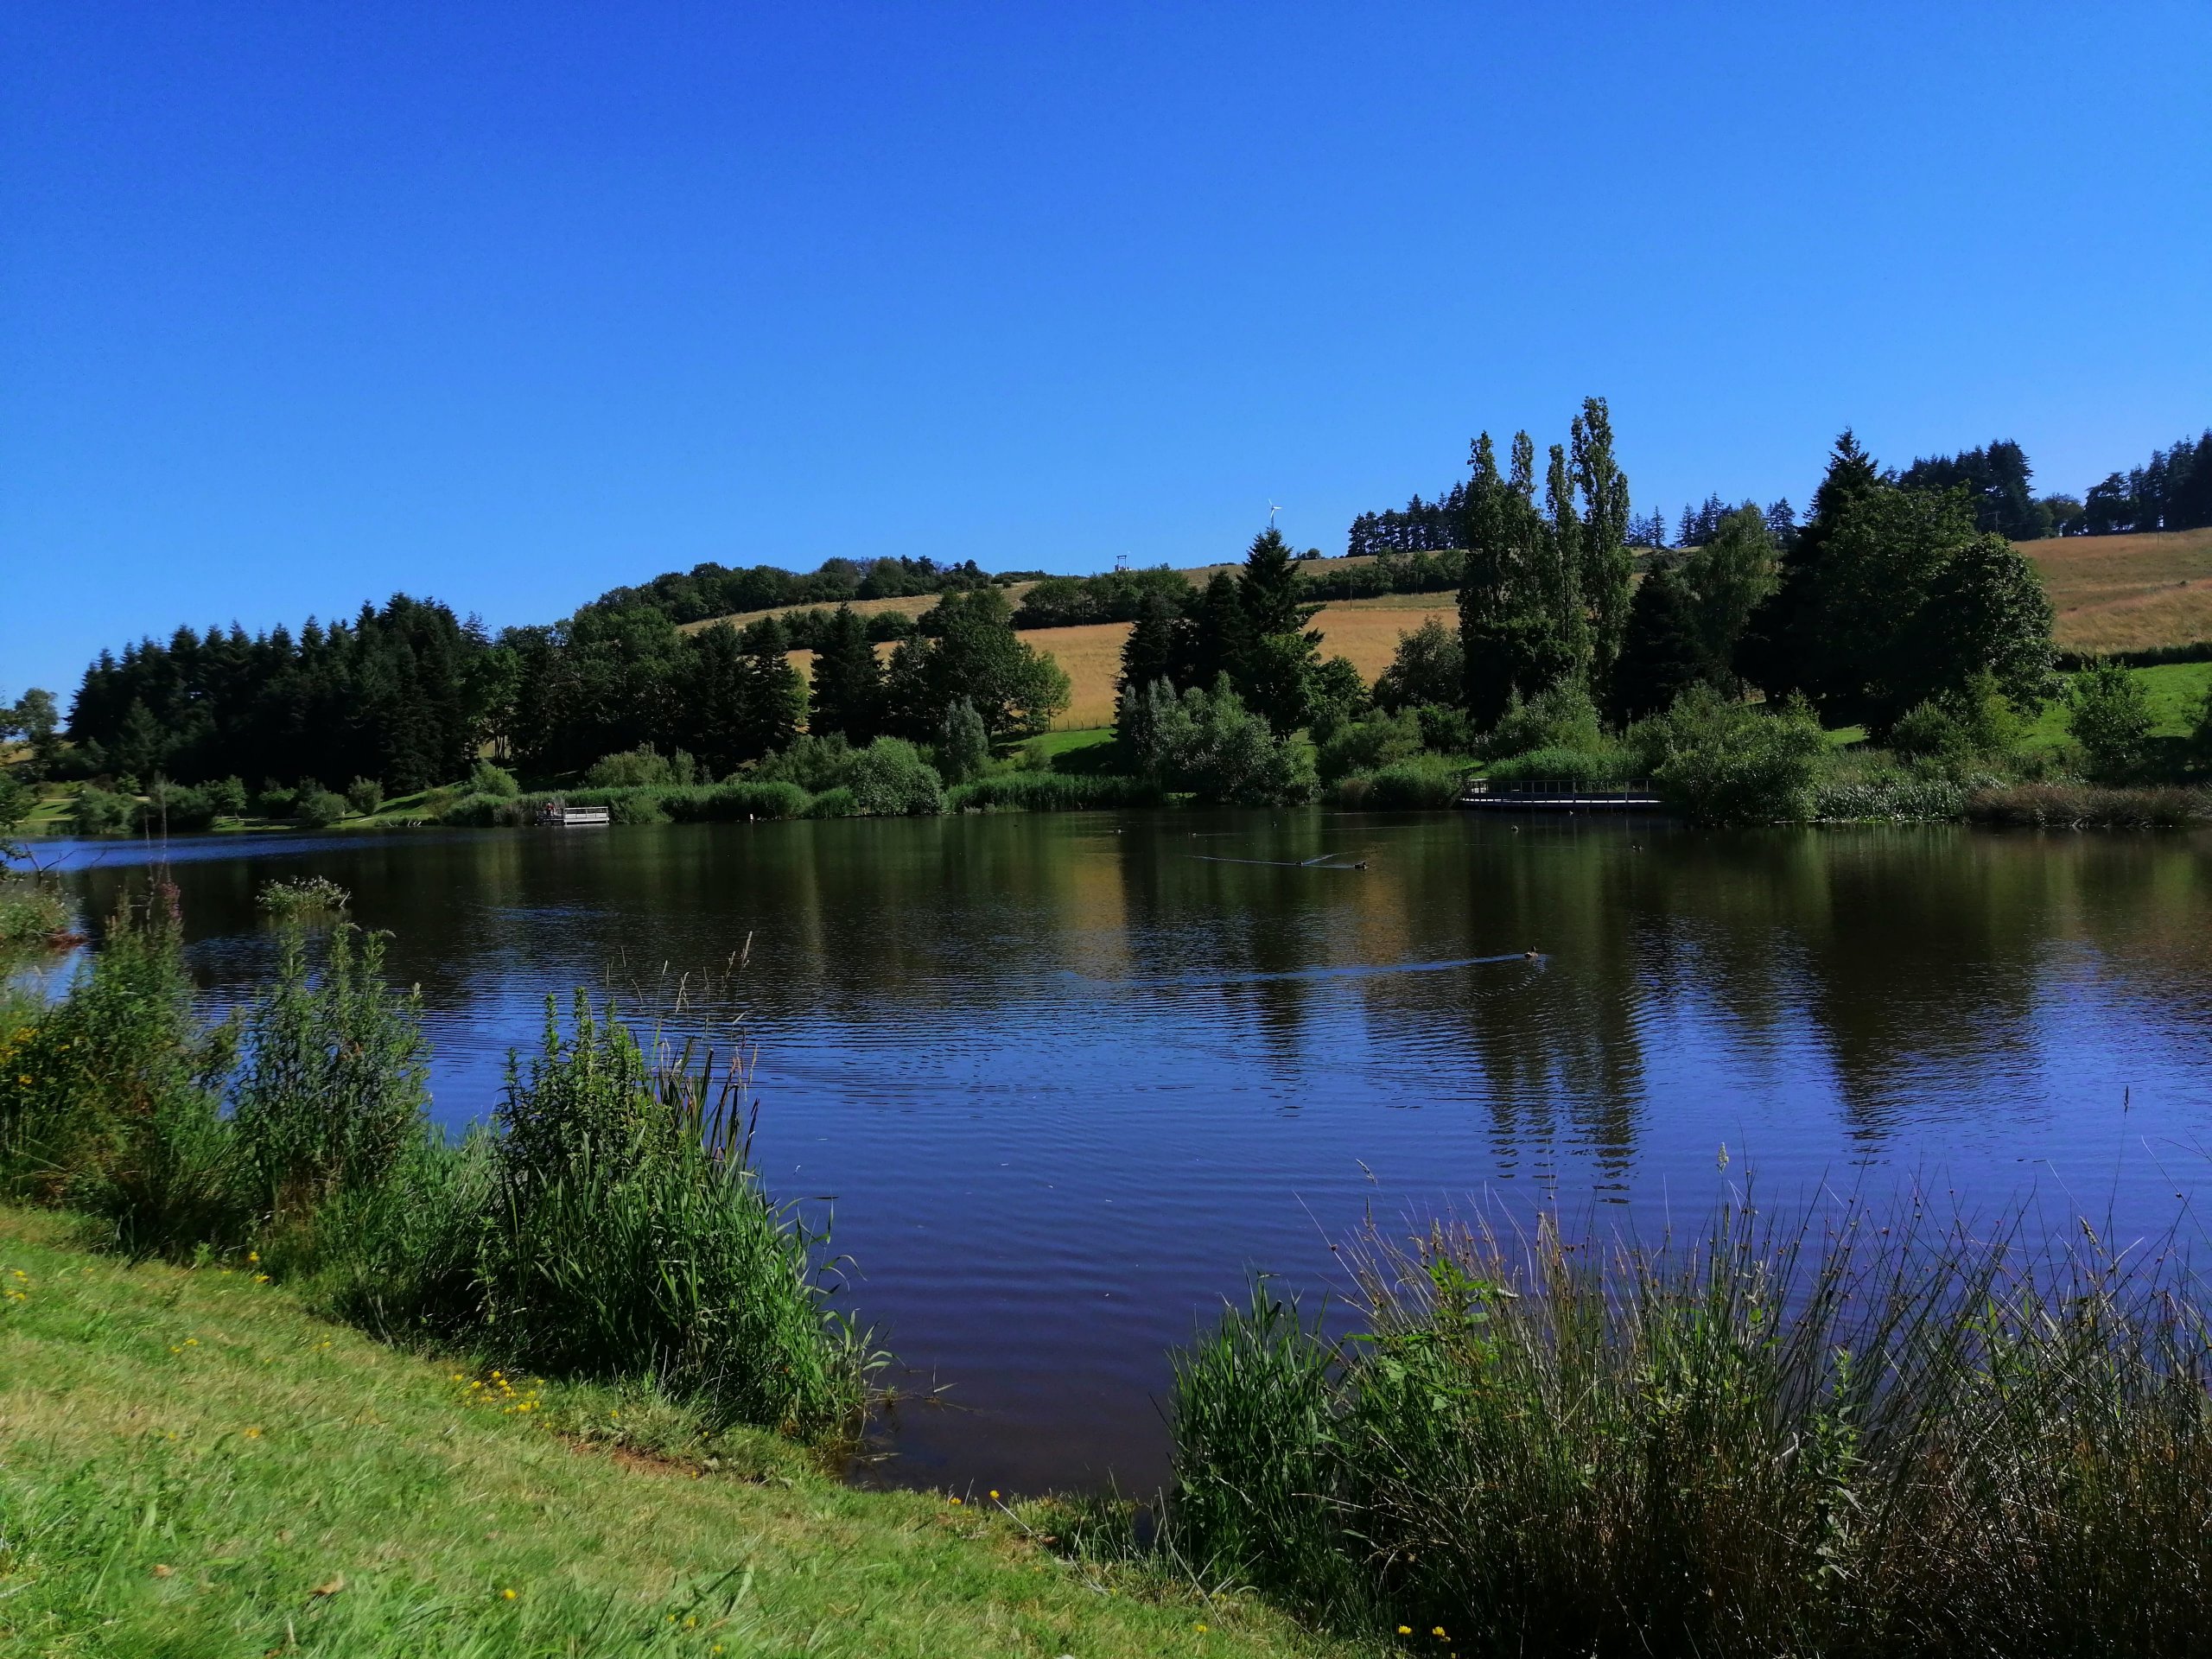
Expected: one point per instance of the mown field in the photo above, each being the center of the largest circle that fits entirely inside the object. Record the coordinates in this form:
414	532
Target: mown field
192	1465
2128	592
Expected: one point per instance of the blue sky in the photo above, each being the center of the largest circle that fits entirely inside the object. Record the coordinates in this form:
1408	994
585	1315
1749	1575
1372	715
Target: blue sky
304	304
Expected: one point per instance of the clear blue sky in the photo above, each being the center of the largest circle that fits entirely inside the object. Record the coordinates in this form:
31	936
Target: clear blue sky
304	304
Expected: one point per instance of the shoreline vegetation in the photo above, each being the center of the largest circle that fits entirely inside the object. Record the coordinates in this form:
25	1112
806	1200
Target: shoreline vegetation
261	1315
1889	656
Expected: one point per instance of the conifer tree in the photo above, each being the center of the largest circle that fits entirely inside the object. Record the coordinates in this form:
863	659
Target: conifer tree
1272	672
847	689
1661	655
774	701
1149	653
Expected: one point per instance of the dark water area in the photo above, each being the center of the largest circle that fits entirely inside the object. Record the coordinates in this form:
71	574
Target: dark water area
1069	1080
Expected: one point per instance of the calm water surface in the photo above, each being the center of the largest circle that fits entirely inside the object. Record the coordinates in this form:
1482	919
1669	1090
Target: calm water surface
1068	1080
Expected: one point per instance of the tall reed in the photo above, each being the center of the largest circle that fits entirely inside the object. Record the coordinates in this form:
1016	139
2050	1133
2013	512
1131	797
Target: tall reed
1884	1438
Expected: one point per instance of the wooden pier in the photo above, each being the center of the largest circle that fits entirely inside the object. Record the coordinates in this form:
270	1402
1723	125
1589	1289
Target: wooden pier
1558	795
557	816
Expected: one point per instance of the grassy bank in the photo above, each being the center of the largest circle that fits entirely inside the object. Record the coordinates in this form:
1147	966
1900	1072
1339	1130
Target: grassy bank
195	1464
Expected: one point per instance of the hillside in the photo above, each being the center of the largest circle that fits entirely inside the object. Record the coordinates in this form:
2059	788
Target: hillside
191	1464
2128	592
2111	593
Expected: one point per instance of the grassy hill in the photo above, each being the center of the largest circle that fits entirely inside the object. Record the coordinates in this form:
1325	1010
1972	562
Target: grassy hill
2128	592
192	1463
2111	593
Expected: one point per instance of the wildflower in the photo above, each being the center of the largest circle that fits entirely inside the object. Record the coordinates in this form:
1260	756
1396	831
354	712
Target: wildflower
956	1500
1200	1629
260	1278
253	1258
1405	1629
506	1595
1438	1632
994	1492
253	1434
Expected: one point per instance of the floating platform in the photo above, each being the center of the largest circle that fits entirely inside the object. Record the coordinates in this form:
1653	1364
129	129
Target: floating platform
1558	795
574	818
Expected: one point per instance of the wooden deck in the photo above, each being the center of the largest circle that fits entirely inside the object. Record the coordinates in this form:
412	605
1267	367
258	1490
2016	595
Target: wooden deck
1558	795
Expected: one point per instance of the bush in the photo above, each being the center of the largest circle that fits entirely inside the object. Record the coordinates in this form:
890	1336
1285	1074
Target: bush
1730	763
227	796
1428	669
963	748
1052	791
736	803
1871	1435
1423	780
813	763
364	795
273	800
833	803
1362	746
318	809
174	808
1953	733
2110	717
1211	745
32	913
643	767
1562	718
1445	730
484	811
1588	768
98	812
628	1227
891	780
484	779
303	895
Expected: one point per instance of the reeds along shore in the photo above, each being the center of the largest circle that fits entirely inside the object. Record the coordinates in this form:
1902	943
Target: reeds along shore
607	1223
1885	1437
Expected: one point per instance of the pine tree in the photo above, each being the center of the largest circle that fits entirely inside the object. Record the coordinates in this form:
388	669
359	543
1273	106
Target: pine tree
1661	654
1149	653
773	703
1783	648
1271	673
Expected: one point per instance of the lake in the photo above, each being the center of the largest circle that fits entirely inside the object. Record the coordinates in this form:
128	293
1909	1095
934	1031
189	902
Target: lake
1068	1081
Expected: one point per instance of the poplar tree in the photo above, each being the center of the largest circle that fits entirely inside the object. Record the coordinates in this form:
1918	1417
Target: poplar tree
1604	558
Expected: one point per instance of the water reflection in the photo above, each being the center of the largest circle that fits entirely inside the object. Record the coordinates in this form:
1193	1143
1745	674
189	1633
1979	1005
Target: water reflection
1068	1079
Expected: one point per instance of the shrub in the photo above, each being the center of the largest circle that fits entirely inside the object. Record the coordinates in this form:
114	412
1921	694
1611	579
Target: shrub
1585	767
174	807
627	1228
1421	780
1428	669
318	809
483	811
33	912
1562	718
891	779
273	800
963	748
1445	730
227	796
484	779
112	1101
1730	763
1365	745
833	803
736	801
644	766
99	812
2110	717
364	795
813	763
1211	745
332	1088
1872	1436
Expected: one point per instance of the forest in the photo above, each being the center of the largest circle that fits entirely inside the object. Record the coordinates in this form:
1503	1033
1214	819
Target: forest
1898	605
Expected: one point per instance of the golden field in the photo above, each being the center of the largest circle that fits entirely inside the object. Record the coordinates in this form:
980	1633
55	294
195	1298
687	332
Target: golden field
2128	592
2111	593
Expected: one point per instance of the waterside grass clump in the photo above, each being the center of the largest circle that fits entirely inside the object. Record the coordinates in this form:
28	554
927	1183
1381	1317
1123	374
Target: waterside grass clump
2086	806
607	1224
1886	1438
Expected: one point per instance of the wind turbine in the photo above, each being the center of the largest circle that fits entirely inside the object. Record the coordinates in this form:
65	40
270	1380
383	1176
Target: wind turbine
1272	509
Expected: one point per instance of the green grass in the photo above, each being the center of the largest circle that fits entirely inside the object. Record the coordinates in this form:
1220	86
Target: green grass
193	1464
1052	745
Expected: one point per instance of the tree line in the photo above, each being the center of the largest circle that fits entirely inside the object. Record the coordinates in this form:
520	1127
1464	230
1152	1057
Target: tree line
710	590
